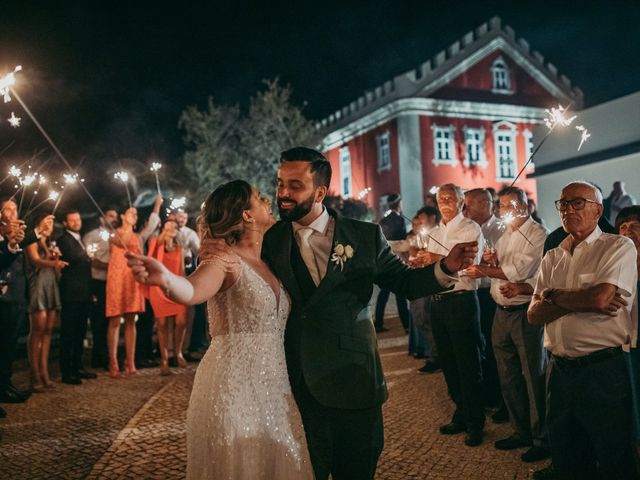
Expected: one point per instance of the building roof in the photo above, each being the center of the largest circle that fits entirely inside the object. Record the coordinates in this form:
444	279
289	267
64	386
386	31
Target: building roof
451	62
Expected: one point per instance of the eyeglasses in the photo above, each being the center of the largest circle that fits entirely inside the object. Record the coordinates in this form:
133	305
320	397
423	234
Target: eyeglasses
577	203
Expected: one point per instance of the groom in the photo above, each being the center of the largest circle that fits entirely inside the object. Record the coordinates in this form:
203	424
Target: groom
329	264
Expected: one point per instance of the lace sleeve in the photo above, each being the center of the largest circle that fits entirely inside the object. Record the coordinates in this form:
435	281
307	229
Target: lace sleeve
217	252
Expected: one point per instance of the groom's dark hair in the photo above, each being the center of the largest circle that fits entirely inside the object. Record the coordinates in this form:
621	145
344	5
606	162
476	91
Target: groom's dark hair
320	166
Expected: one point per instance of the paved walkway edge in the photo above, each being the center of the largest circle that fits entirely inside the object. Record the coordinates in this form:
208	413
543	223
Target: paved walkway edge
129	428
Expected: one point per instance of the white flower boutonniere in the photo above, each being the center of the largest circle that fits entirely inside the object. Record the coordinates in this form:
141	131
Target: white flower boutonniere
341	254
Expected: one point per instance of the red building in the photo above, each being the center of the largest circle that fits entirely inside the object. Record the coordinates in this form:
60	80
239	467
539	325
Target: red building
466	117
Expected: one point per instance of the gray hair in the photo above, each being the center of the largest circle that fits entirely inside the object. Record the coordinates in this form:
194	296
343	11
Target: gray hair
452	187
584	183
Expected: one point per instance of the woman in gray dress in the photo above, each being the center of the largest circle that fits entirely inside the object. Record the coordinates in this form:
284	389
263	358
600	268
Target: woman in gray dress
43	270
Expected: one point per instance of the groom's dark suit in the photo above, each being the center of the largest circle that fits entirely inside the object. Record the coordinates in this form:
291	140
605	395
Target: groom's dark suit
332	356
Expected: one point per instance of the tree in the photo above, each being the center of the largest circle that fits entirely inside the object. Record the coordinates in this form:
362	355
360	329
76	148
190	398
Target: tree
224	144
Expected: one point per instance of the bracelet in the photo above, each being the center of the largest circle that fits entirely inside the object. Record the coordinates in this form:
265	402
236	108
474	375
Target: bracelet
444	269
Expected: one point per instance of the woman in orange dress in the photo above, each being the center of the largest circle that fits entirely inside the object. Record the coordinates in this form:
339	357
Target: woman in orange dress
167	251
125	298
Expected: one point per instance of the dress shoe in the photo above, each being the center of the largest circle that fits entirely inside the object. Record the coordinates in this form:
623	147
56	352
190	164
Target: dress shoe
452	428
419	356
430	366
547	473
3	412
146	363
473	438
71	380
86	375
381	329
11	395
535	454
192	357
512	442
501	415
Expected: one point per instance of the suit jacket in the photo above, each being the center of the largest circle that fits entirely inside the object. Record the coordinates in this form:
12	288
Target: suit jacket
393	226
13	269
75	281
329	343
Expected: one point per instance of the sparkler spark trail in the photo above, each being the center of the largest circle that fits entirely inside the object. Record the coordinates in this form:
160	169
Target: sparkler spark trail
364	192
177	204
584	135
14	121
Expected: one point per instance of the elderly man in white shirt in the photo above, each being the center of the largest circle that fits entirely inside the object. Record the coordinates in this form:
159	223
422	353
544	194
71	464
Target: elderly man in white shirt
517	345
583	298
455	318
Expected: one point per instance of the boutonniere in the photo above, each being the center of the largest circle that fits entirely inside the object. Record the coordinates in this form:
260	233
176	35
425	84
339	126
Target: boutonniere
341	254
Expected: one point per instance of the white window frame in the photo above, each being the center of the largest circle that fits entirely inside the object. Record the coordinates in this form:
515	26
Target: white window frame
509	141
384	152
528	146
448	144
475	137
501	77
345	173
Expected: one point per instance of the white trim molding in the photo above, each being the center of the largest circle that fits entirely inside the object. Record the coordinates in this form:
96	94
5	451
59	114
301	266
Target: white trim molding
432	107
346	189
444	145
384	151
501	77
474	143
504	136
528	147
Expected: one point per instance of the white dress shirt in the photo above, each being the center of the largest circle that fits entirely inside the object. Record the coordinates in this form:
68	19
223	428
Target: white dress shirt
459	230
518	259
600	258
102	250
189	241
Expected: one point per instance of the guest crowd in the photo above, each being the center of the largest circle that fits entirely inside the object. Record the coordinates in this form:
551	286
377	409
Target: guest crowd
542	330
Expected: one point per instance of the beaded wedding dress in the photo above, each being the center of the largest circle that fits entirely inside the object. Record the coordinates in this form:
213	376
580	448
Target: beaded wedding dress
242	420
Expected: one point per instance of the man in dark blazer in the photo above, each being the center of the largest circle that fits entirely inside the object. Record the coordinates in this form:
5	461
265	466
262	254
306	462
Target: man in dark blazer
329	265
13	293
75	295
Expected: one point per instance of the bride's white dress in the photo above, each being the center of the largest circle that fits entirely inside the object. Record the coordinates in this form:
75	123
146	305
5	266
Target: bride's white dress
242	421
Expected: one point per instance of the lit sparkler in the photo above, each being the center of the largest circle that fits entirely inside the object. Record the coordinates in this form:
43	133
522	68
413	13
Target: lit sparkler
388	212
364	192
53	195
433	190
124	178
6	82
155	166
15	171
557	116
508	218
104	235
92	248
14	121
177	204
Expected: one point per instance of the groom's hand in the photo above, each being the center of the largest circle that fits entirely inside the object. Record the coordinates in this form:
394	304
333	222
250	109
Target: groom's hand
461	256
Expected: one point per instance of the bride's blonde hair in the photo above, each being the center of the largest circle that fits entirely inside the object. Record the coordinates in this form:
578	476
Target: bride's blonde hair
221	214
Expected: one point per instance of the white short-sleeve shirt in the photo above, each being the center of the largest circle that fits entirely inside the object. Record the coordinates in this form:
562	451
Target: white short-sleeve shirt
600	258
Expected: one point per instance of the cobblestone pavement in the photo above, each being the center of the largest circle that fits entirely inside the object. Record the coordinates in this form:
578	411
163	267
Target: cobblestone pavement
134	428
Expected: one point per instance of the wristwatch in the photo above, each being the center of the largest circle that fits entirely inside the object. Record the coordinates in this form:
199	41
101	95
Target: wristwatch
445	270
548	294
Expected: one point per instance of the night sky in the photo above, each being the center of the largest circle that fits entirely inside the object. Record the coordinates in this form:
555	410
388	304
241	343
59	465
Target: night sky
109	81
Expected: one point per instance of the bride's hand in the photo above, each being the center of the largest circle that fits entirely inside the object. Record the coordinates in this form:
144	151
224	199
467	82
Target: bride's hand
147	270
217	251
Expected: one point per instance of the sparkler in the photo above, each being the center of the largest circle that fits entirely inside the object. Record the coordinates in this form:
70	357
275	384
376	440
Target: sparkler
508	218
6	82
104	235
584	136
155	166
53	196
364	192
388	212
25	183
177	204
14	121
124	178
434	190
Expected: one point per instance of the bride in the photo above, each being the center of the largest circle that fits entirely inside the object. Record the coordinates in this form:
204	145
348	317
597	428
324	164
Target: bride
242	421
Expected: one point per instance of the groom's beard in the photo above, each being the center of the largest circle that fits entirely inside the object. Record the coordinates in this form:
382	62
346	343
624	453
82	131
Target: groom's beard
298	211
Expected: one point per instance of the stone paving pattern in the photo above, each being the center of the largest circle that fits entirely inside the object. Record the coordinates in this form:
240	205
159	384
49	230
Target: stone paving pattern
134	428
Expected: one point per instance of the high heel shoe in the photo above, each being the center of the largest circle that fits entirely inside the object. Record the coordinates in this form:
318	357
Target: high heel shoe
114	371
130	369
164	369
182	363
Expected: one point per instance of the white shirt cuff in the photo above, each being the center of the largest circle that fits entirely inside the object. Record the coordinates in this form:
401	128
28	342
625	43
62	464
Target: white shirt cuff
442	278
13	250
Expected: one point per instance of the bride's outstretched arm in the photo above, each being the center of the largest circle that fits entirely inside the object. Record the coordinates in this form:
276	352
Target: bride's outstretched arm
203	284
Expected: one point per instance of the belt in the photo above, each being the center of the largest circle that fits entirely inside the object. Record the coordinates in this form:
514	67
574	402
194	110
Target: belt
595	357
440	297
514	308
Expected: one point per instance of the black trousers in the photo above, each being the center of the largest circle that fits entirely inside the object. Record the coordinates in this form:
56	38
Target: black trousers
12	316
99	324
73	328
589	420
490	380
343	443
199	329
144	333
456	329
381	303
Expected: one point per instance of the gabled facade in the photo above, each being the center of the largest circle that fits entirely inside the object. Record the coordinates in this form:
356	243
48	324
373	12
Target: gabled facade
466	116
